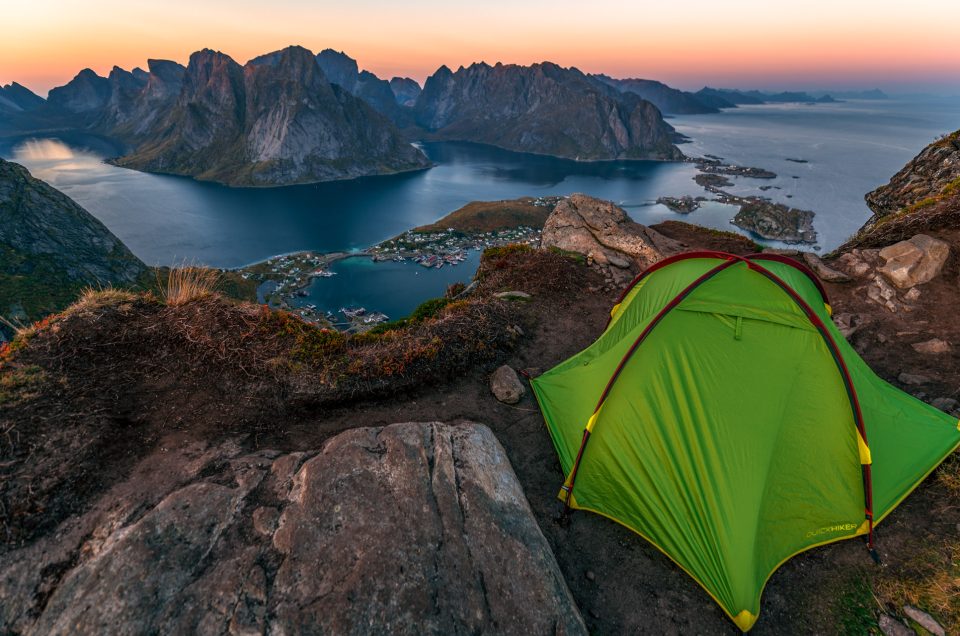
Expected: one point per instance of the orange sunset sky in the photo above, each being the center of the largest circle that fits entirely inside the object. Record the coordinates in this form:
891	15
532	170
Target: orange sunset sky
686	43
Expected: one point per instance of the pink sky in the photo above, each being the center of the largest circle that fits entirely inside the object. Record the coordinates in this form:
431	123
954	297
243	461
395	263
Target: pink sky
743	43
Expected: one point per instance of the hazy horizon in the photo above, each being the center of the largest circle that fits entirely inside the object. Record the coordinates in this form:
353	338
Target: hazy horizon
748	44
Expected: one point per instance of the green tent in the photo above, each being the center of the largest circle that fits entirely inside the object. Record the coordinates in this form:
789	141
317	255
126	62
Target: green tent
723	417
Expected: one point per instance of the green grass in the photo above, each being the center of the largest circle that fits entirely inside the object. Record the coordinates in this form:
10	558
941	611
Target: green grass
856	609
574	256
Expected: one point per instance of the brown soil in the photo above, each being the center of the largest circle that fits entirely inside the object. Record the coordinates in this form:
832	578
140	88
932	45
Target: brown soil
86	419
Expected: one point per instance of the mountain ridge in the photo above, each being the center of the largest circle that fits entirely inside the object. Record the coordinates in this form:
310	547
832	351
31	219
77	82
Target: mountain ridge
544	109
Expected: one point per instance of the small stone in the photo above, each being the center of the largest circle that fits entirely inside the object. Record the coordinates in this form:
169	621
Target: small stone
618	261
945	404
265	520
513	295
912	378
848	323
824	271
517	329
933	346
892	627
913	295
882	293
590	575
853	264
506	386
924	620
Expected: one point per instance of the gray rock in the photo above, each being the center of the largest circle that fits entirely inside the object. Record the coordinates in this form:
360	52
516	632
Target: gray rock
892	627
933	346
417	527
506	386
853	264
605	235
880	292
849	324
913	379
915	261
924	620
946	404
513	295
823	271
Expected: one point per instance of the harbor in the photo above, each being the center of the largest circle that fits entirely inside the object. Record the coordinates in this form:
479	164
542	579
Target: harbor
293	281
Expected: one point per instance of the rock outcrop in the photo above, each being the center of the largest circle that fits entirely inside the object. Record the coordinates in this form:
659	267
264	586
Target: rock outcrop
926	177
408	528
824	271
543	109
51	248
275	121
603	232
914	261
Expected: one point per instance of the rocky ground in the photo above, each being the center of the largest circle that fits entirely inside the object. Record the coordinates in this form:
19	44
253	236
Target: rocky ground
242	473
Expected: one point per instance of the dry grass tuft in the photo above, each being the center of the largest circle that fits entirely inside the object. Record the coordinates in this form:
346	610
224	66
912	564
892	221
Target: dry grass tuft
932	583
188	283
949	475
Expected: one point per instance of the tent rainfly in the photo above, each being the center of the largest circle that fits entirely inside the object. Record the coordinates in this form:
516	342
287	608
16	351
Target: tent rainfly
724	418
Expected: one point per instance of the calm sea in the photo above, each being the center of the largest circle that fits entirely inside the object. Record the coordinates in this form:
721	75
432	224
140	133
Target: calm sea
848	149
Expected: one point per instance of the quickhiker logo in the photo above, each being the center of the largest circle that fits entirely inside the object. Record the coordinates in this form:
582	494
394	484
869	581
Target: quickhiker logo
840	527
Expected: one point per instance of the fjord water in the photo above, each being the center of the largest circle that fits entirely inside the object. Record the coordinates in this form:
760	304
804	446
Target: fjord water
844	150
165	219
848	148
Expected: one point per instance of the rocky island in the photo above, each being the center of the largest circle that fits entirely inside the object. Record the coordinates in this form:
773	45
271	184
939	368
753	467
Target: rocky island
759	215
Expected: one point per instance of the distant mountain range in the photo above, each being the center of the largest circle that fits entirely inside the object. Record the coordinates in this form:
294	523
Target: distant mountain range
292	117
542	108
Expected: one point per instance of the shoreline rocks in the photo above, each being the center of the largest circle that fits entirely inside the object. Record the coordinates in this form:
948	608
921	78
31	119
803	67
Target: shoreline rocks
775	221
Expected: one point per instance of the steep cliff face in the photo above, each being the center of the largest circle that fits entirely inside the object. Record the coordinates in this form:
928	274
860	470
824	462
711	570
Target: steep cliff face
923	197
51	248
276	120
405	90
125	88
342	70
136	114
542	109
668	100
936	168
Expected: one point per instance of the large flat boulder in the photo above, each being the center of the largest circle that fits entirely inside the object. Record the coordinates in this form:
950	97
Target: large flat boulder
604	233
409	528
915	261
